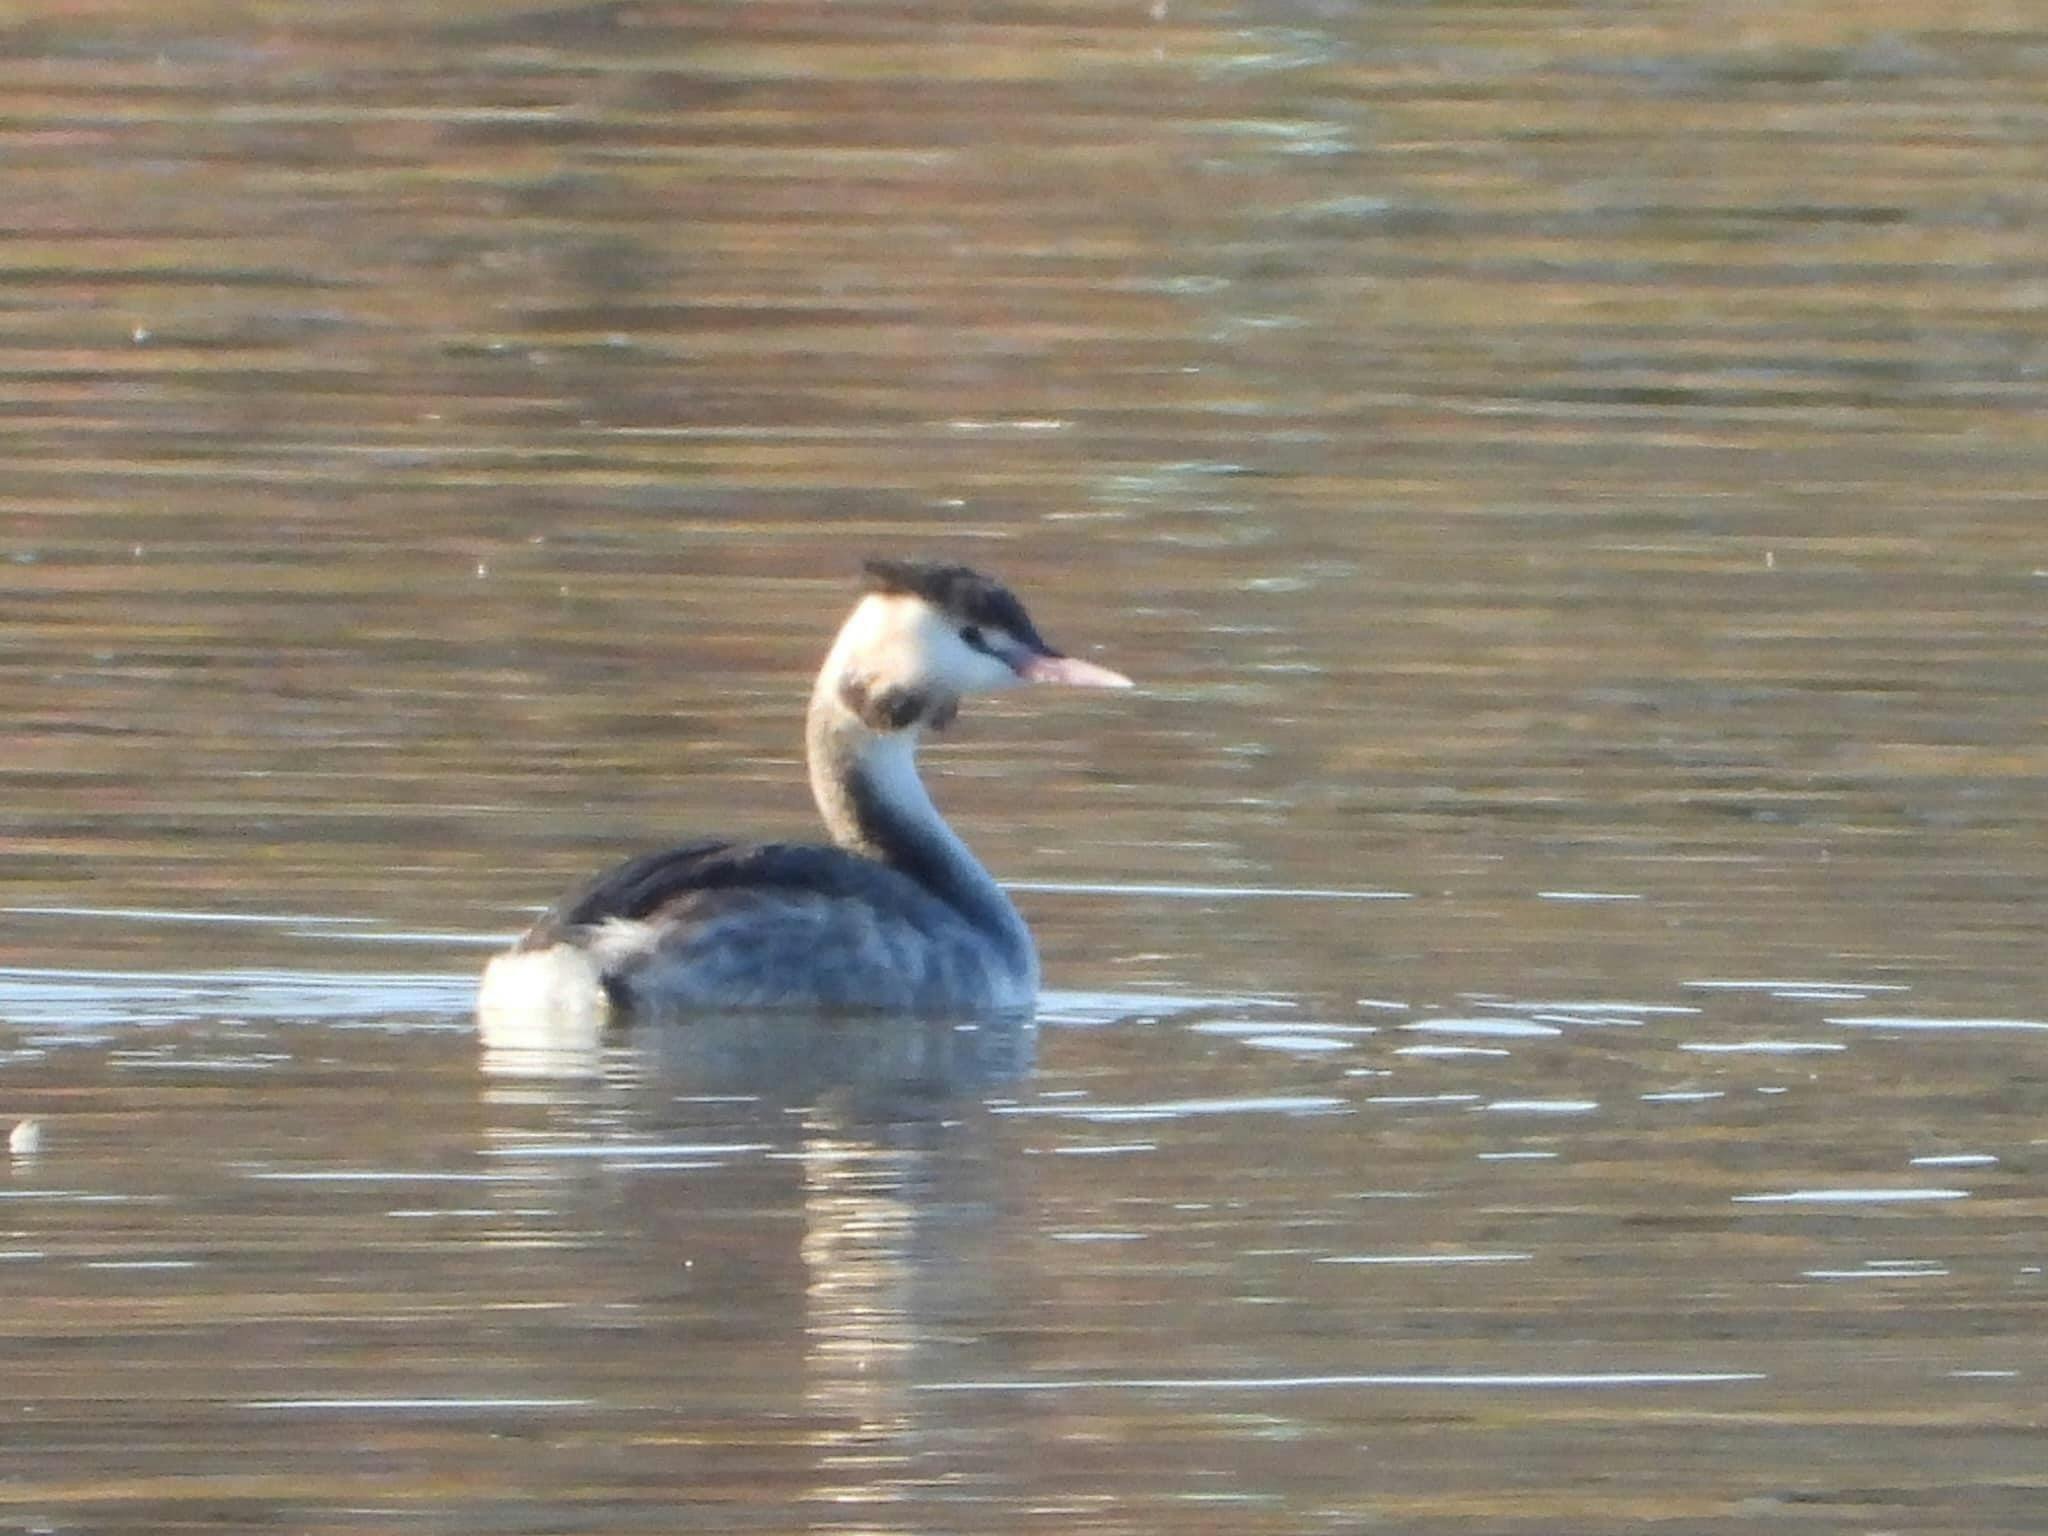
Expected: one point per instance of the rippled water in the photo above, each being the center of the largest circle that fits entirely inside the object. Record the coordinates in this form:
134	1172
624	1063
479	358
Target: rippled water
284	1260
1548	1017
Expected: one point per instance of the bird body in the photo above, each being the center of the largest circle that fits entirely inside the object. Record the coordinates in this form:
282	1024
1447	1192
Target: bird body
895	914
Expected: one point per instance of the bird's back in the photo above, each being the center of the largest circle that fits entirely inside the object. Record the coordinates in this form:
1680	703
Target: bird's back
714	925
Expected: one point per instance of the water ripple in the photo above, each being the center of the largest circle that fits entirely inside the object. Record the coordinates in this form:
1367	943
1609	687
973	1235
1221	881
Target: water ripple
1491	1380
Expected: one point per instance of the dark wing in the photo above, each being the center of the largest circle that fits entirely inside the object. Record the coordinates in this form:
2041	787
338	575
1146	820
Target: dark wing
653	884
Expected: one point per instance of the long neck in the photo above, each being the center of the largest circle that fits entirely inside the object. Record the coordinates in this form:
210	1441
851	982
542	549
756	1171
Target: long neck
868	790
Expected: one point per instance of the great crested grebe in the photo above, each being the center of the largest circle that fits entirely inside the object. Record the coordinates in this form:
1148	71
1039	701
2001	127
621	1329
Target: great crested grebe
896	916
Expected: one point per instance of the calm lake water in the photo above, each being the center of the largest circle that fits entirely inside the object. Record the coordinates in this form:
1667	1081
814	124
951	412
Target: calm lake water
1547	1030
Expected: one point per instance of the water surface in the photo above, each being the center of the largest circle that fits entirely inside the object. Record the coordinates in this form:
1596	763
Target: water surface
1547	1016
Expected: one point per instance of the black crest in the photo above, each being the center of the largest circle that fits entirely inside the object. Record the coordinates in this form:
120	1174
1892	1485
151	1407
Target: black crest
965	596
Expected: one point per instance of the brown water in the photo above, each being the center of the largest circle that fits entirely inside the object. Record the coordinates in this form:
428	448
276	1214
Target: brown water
1548	1021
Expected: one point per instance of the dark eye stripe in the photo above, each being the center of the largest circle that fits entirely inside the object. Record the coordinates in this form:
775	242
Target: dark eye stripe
975	638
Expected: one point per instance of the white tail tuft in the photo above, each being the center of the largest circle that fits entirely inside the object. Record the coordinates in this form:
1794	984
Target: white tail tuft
541	1000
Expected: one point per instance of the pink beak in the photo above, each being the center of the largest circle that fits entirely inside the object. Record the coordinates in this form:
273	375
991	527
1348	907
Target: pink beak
1070	670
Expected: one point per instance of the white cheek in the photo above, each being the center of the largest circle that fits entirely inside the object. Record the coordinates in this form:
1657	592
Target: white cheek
957	665
980	672
996	674
896	641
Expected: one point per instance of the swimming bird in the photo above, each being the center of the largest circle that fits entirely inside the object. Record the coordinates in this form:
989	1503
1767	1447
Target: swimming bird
895	914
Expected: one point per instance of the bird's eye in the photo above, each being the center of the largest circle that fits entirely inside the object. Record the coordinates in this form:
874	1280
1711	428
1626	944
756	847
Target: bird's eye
973	636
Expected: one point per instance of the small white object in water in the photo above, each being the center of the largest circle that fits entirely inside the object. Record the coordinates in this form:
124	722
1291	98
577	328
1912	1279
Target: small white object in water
26	1139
